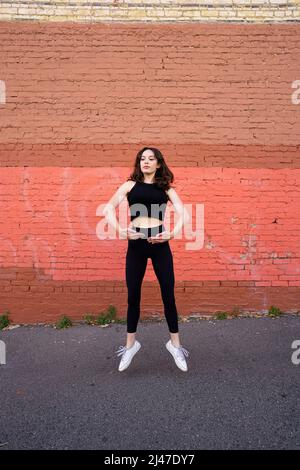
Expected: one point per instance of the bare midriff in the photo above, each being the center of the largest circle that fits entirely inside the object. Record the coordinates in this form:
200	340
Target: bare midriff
146	222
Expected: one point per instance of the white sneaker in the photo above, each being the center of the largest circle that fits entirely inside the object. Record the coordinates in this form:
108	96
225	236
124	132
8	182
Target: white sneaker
178	353
127	354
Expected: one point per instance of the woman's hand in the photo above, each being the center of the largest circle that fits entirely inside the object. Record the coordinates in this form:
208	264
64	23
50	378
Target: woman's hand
161	237
134	235
130	234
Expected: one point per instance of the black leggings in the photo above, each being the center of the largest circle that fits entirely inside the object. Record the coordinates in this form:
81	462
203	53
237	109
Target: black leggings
138	252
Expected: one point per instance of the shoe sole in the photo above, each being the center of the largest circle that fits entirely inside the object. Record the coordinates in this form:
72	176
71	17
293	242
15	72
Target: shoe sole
128	363
179	366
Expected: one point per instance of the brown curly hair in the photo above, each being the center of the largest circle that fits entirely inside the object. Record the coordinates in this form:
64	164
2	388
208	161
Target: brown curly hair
163	174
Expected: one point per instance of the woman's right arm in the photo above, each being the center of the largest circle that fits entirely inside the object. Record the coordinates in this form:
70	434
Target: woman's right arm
109	210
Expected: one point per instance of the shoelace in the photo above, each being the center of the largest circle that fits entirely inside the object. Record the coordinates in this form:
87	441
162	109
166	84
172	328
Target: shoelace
121	350
182	352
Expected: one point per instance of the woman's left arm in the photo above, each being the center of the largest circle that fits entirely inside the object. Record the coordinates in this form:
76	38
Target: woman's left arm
184	216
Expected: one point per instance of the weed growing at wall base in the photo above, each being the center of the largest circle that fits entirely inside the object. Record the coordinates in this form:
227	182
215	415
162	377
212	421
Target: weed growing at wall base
221	315
274	311
104	318
4	320
63	322
89	318
108	316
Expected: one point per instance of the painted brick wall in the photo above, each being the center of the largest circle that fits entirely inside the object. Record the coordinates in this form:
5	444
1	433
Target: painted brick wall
79	100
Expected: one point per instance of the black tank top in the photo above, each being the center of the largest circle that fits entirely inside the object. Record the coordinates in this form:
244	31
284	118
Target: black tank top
147	200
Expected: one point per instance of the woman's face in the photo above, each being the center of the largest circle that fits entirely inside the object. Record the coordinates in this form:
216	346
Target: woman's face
148	163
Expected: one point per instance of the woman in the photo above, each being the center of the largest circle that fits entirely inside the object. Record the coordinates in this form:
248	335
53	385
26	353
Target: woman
148	191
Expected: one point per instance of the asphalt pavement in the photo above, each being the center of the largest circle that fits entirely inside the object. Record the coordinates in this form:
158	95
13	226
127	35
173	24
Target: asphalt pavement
61	389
